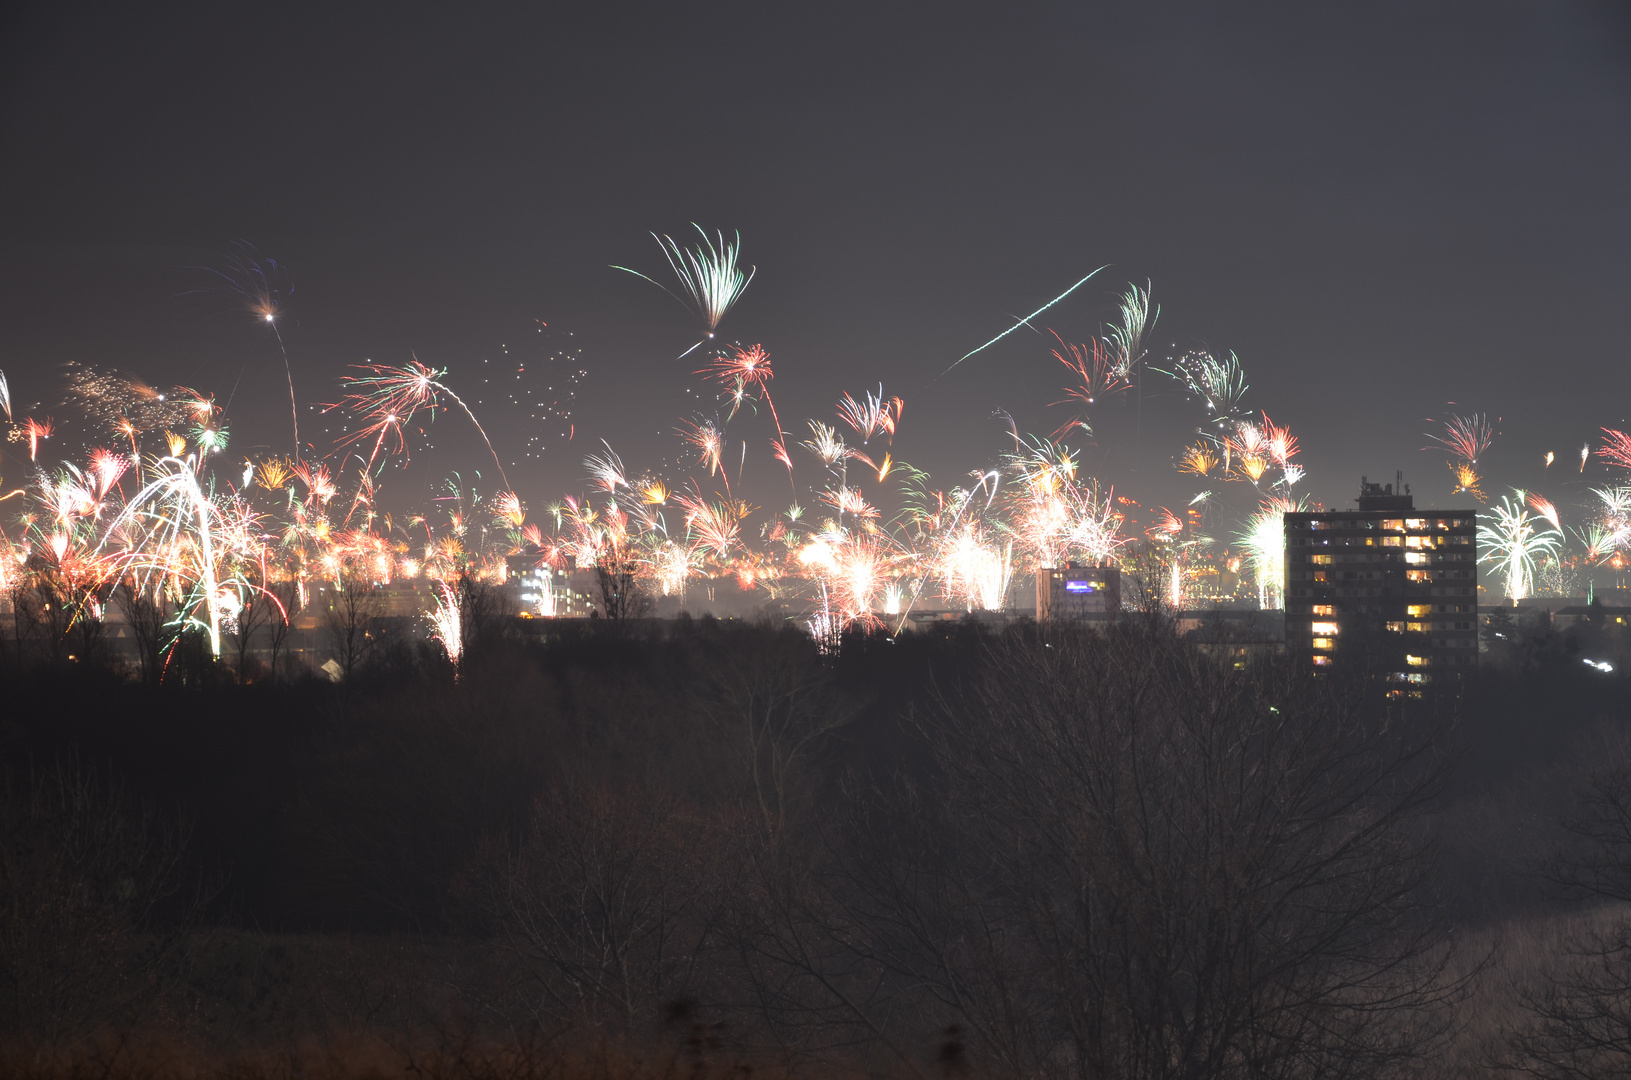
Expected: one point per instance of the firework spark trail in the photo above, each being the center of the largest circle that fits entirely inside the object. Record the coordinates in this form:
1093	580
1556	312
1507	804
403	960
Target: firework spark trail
1264	540
1128	335
1512	543
1466	480
1465	437
1221	384
262	285
1026	321
711	276
447	623
33	432
872	415
1616	448
1604	537
174	519
705	437
1097	376
989	482
1543	506
393	394
607	470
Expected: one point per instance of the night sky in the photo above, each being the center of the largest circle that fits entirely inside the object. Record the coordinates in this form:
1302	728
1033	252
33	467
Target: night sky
1381	209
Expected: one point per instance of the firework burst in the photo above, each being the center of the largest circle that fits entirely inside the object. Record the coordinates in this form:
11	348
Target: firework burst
1512	543
710	275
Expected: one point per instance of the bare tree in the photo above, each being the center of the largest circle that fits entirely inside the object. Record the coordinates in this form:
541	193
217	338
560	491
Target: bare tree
81	874
258	609
481	610
609	904
283	603
145	616
1577	1016
1130	861
775	703
350	622
44	611
620	598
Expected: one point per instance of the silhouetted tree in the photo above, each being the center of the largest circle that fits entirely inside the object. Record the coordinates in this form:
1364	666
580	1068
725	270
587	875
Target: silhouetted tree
81	874
619	597
350	622
1577	1022
1132	861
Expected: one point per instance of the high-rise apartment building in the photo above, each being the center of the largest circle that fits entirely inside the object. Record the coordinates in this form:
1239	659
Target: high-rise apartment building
1386	582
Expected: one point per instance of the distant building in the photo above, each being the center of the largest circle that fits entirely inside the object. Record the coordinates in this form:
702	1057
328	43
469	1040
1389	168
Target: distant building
1386	581
1563	618
541	591
1091	593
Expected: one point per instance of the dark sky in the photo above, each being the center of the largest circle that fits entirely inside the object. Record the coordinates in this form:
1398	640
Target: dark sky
1380	207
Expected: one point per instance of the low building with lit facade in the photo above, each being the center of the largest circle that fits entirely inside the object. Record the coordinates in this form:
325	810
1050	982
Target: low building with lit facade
1386	583
1083	593
535	589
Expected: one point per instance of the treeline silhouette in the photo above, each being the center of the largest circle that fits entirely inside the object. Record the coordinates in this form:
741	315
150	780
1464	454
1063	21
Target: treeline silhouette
640	848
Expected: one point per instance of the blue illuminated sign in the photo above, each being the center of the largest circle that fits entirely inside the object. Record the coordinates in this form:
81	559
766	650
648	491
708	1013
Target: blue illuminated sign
1078	586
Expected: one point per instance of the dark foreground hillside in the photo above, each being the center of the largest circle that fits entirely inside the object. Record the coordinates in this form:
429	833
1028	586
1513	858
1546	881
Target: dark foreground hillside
708	849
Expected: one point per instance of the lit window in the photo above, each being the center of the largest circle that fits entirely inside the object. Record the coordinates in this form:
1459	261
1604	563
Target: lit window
1325	609
1393	525
1419	609
1418	575
1324	643
1319	575
1415	523
1325	628
1415	557
1321	661
1416	661
1395	627
1322	560
1418	627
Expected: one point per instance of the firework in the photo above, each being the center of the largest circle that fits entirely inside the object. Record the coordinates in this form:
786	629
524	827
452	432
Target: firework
1199	460
446	622
606	470
1127	336
1466	480
1545	509
1097	374
534	382
1249	448
1512	542
122	404
872	415
389	397
1219	384
273	473
708	441
33	432
263	287
1466	437
1264	541
1023	322
1612	531
710	275
177	539
1616	448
